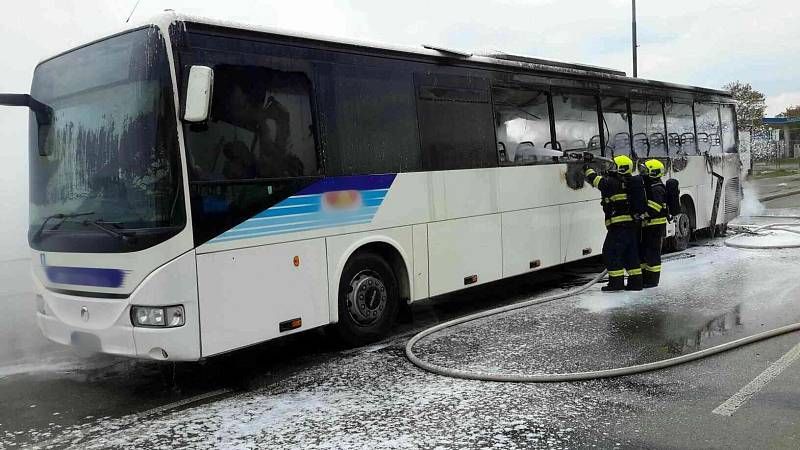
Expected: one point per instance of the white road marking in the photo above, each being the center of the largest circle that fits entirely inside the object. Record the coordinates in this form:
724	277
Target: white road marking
740	398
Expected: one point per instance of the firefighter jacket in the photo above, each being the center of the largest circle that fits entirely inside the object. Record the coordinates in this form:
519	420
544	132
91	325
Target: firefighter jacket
613	191
656	202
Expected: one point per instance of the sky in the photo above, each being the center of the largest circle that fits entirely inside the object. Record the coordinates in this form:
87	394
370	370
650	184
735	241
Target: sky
698	42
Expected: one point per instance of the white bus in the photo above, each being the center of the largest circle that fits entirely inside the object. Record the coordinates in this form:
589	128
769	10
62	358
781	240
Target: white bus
198	187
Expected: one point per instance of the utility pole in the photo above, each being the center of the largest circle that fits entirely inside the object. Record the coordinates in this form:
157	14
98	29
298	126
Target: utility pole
635	71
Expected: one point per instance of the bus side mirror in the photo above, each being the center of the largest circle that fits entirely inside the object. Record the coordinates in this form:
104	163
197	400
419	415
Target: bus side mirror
199	91
44	115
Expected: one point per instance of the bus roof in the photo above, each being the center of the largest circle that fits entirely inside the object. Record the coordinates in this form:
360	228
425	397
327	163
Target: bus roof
497	59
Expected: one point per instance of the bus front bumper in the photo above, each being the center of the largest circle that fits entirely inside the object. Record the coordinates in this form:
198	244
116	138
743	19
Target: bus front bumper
117	338
103	325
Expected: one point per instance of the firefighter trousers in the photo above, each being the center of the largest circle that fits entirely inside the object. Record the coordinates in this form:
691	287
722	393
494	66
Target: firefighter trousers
650	253
621	254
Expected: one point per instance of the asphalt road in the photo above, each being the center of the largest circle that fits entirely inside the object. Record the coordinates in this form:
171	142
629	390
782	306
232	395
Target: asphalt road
306	392
770	186
792	201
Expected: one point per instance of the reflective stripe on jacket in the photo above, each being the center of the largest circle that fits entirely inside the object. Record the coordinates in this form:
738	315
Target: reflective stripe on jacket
656	202
616	205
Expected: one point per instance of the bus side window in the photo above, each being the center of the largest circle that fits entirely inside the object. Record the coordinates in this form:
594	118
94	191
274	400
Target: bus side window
576	122
648	128
522	125
615	126
269	112
369	118
706	116
728	129
257	147
681	122
455	122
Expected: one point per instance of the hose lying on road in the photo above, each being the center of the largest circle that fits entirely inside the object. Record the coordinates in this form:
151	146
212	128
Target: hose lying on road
573	376
730	242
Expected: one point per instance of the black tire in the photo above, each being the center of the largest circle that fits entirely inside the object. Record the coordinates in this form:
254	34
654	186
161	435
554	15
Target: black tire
680	241
376	305
684	231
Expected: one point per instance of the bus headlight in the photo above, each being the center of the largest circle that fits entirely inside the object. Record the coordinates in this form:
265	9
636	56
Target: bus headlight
158	316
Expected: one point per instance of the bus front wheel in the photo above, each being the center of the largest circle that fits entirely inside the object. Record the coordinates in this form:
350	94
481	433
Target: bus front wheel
368	299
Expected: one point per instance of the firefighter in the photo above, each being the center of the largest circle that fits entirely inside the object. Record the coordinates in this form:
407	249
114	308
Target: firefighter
654	225
620	249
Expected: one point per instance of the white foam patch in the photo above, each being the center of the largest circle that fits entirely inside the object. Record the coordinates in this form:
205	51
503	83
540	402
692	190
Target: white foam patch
771	238
370	400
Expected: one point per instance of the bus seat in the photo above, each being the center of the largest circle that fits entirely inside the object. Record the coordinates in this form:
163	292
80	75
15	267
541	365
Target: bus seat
501	152
641	142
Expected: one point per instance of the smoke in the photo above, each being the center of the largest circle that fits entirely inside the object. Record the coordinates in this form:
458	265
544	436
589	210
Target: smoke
750	205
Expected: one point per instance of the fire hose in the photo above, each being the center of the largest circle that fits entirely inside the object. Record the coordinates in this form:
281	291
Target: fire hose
588	375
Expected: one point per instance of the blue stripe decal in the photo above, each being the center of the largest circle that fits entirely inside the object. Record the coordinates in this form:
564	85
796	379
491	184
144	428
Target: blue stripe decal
225	237
372	202
86	276
377	193
302	218
294	226
305	211
299	201
352	183
288	211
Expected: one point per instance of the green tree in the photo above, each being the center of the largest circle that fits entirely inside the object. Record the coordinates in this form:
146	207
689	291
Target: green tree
750	105
791	111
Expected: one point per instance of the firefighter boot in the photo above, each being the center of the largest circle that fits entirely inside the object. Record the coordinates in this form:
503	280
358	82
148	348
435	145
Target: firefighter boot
634	283
614	284
650	279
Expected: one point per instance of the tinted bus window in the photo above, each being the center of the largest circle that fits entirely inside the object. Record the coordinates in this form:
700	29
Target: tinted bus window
615	126
648	128
455	122
261	127
706	116
370	120
728	129
576	122
522	120
680	126
257	148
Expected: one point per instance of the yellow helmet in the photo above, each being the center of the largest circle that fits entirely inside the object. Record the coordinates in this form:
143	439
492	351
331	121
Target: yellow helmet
655	168
624	164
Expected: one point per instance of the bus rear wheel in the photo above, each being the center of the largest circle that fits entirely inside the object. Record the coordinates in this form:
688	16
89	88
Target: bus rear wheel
368	299
683	233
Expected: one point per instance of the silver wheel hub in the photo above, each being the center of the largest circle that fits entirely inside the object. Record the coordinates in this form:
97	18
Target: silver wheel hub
682	226
367	298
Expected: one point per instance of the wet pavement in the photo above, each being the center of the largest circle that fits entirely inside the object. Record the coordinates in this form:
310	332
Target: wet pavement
784	202
777	185
305	392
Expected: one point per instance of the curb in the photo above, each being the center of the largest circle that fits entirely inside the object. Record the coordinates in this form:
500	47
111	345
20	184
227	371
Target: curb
779	195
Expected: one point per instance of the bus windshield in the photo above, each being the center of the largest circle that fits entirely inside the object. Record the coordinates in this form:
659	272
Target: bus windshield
106	166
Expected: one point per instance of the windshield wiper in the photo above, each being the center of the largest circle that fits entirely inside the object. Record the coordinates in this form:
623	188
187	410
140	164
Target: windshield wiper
108	227
62	218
